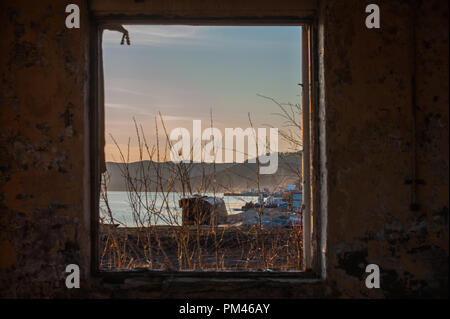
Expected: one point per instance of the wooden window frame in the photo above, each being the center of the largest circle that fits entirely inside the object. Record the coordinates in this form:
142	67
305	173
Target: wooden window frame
313	254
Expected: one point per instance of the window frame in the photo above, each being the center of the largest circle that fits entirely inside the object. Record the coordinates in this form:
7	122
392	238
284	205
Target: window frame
315	265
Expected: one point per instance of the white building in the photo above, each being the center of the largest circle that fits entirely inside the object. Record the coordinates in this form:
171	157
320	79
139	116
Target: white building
291	187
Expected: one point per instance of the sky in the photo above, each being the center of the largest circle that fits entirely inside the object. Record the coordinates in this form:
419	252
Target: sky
188	72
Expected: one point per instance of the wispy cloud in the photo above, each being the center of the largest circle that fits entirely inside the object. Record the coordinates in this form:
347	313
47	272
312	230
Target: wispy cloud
127	91
175	118
142	111
157	35
121	106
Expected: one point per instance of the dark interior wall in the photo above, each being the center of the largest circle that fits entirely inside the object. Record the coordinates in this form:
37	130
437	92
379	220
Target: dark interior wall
387	117
386	123
44	83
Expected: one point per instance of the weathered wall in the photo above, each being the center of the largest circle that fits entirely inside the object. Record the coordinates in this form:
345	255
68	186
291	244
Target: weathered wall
42	130
382	126
379	122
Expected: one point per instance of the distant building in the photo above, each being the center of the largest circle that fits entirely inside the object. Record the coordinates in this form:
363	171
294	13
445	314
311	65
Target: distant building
273	201
277	193
261	199
297	201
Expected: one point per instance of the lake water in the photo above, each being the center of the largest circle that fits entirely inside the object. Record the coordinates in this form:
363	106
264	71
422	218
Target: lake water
165	211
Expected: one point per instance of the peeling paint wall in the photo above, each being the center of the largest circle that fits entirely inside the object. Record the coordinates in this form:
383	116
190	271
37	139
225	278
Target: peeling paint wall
44	81
386	122
381	127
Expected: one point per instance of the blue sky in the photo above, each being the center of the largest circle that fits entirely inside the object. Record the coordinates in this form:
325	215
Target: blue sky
186	71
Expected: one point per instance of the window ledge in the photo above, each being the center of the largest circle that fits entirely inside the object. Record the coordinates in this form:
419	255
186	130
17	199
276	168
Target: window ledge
142	277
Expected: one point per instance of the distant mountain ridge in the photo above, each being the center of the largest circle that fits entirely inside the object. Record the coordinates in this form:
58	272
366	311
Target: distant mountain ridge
230	177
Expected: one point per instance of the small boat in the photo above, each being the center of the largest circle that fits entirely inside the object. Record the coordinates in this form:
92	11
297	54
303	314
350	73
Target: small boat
247	206
203	210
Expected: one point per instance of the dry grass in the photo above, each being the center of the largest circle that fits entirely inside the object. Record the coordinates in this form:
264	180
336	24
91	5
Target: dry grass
177	246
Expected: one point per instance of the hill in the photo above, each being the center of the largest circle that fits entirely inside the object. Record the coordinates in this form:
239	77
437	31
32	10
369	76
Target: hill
147	175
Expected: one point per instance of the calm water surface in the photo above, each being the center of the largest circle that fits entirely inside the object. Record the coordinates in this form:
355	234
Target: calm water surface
129	210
